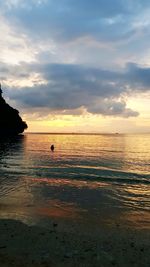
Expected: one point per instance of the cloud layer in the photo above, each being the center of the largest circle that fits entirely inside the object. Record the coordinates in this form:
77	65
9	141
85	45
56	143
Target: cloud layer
70	87
73	56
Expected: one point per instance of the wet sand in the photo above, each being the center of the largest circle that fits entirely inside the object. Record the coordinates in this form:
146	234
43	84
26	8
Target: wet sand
24	246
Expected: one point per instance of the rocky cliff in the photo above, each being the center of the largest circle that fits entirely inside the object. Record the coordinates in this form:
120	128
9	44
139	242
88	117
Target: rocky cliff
10	121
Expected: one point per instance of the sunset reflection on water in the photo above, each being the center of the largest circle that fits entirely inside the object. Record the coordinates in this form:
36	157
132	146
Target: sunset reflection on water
102	179
59	209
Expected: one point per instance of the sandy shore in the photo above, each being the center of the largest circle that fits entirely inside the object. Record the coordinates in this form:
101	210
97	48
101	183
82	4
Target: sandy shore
24	246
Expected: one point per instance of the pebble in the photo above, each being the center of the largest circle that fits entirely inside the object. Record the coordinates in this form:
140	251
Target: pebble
132	244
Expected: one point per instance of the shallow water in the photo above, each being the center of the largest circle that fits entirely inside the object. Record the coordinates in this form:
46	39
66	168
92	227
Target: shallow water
88	178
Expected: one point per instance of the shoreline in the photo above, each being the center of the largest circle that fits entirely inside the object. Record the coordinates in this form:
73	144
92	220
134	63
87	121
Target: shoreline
22	245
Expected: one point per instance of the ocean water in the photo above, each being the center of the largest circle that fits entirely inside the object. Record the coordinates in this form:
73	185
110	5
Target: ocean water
91	179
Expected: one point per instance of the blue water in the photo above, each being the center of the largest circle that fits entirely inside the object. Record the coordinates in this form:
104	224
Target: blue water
98	178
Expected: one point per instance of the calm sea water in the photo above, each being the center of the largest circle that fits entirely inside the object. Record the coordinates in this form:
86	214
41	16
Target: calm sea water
88	178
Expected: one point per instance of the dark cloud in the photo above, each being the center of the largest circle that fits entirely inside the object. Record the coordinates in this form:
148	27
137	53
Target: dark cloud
113	108
69	19
138	77
71	87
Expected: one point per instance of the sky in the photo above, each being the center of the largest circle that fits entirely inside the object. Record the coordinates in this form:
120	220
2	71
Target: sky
77	65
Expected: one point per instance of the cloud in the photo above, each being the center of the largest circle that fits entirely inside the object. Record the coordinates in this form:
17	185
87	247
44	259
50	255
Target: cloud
14	47
70	87
112	107
68	19
96	33
99	33
67	56
139	77
20	4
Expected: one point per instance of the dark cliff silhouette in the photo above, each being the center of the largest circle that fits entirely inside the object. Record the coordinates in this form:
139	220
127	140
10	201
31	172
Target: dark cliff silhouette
10	121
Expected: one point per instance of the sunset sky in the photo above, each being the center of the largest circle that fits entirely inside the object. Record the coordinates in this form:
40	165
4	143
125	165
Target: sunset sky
77	65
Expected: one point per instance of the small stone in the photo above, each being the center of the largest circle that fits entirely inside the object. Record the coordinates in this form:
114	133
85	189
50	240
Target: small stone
68	255
87	249
113	263
52	231
42	233
132	244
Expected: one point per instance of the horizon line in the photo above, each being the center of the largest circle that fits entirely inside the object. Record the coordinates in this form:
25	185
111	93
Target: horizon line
87	133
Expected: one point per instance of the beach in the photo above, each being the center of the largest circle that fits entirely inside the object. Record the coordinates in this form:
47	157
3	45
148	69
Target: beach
23	245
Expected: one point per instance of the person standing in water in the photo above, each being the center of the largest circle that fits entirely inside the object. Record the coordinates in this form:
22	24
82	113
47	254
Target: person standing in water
52	147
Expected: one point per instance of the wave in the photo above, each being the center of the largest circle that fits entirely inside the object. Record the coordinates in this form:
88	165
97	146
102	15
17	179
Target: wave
90	174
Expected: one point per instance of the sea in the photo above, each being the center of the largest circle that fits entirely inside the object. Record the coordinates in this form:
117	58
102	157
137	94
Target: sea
89	179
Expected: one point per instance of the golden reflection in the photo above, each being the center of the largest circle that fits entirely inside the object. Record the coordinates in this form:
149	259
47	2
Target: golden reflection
139	220
138	191
136	153
70	183
60	209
